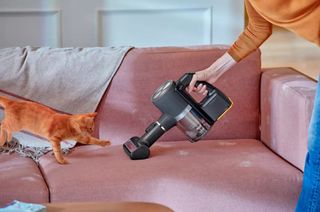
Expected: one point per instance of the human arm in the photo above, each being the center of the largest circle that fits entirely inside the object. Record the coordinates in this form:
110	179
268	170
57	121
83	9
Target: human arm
256	32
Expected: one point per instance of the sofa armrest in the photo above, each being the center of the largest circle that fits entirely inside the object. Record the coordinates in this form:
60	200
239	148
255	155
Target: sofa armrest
287	99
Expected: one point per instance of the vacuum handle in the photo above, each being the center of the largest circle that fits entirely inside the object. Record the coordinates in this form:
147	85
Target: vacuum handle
185	80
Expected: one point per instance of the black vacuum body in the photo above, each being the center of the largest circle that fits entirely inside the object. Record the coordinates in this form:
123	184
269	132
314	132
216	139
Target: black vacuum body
179	109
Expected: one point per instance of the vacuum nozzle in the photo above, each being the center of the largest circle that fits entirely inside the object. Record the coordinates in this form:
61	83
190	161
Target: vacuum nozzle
135	149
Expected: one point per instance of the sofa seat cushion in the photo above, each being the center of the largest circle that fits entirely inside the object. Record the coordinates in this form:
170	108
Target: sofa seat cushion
21	180
213	175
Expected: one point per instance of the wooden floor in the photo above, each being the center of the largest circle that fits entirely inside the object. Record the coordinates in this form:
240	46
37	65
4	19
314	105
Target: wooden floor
285	49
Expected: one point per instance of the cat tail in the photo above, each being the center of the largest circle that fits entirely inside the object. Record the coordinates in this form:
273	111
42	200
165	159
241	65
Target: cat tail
4	101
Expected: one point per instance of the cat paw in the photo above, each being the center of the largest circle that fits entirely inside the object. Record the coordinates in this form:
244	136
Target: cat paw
105	143
63	161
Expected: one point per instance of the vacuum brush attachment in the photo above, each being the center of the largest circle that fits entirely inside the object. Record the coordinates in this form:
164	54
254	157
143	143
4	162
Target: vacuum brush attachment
136	150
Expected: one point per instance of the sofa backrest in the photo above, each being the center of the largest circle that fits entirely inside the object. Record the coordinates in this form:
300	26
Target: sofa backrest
126	109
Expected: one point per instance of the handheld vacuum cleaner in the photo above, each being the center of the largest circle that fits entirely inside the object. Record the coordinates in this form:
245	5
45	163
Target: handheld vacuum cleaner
182	110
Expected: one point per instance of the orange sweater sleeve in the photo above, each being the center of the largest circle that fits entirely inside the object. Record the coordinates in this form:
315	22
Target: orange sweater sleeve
256	32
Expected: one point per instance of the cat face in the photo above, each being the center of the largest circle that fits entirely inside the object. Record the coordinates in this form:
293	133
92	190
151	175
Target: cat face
86	122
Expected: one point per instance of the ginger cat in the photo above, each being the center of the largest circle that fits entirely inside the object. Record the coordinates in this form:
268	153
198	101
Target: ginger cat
45	122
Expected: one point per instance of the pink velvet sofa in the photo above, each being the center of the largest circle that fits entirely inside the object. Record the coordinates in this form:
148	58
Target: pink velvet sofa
252	159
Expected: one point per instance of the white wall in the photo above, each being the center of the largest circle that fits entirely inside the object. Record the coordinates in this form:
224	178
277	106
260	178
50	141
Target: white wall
84	23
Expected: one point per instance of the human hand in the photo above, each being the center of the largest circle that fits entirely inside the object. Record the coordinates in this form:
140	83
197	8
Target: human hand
211	74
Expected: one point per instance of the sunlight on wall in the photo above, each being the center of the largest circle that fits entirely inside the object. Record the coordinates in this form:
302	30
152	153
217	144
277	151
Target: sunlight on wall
286	49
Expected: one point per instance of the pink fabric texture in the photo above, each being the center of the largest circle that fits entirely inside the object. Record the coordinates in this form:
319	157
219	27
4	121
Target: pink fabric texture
21	180
286	107
220	175
126	109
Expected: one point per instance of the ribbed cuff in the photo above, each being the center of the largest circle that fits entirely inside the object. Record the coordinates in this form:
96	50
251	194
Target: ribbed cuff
234	55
